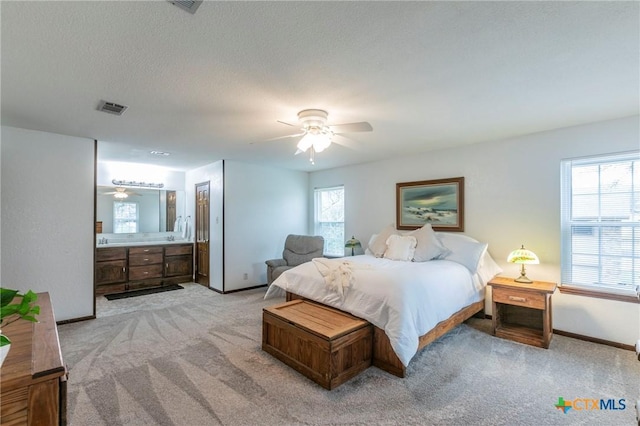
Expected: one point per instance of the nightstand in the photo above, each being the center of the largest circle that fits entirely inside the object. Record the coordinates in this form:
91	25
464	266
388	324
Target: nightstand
522	312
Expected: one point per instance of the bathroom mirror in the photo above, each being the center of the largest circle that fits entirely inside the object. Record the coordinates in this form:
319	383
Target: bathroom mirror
141	210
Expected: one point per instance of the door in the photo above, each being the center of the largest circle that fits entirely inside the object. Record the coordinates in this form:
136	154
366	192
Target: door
202	233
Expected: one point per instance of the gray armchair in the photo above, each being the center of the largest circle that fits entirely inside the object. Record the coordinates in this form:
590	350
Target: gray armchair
298	249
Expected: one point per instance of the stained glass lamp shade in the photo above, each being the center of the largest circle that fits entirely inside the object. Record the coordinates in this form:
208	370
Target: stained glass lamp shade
523	257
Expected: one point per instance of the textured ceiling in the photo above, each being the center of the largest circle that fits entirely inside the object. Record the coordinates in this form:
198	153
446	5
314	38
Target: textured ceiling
210	86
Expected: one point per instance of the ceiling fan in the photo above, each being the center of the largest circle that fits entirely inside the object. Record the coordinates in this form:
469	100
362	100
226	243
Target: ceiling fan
121	192
316	135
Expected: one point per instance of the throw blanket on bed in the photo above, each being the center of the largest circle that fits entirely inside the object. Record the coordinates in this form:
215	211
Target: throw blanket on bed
337	273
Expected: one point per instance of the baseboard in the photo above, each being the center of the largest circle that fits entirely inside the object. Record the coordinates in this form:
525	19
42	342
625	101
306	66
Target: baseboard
237	290
589	339
595	340
69	321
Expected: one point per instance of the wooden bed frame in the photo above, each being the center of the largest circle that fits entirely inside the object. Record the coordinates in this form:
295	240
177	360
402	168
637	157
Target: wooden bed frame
383	355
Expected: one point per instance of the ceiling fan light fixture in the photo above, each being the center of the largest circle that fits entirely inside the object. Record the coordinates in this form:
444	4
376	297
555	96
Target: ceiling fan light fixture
316	138
321	142
120	193
305	143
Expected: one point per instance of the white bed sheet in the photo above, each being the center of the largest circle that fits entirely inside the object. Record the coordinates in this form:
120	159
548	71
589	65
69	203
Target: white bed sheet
405	299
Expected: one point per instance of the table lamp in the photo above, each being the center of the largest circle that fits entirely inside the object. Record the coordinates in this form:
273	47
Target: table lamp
352	244
523	257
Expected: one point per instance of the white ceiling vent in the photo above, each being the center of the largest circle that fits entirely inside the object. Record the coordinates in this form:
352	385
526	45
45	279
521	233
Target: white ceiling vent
189	6
111	108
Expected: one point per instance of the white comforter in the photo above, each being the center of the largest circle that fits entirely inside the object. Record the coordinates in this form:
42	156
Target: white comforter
405	299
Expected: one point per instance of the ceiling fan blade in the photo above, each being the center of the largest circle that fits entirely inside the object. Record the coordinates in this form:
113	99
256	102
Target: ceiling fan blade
284	137
277	138
362	126
344	141
288	124
298	151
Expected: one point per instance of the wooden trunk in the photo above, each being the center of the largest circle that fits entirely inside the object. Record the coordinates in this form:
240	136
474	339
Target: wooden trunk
326	345
385	358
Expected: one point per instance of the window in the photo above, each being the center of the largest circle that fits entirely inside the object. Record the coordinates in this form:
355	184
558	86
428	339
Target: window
601	223
125	217
329	219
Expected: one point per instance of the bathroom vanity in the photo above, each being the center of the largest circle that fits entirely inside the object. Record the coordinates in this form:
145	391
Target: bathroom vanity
121	268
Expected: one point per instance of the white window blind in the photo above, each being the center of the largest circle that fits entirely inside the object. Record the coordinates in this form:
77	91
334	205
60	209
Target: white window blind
600	223
125	217
329	219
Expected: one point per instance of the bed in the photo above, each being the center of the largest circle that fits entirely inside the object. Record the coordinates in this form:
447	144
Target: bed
410	303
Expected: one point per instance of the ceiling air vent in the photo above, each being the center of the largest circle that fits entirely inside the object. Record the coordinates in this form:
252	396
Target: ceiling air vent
189	6
111	108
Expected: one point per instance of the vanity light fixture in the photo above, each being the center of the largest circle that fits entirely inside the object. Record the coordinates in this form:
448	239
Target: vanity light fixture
138	184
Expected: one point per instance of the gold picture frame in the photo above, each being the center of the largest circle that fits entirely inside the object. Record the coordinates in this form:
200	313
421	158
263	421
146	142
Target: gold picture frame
439	202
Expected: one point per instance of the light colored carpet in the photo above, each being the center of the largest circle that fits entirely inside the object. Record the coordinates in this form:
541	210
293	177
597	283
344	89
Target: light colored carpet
193	357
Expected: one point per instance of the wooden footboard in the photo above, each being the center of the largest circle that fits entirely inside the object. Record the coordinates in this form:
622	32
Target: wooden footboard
383	355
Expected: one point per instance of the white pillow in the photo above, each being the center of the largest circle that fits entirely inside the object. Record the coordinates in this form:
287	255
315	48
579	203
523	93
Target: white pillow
464	250
379	245
428	245
488	268
400	247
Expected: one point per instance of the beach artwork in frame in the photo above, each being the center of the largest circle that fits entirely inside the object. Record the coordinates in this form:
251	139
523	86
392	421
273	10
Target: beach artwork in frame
439	202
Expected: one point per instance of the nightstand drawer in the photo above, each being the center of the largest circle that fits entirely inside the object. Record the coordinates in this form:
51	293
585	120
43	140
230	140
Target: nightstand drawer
518	297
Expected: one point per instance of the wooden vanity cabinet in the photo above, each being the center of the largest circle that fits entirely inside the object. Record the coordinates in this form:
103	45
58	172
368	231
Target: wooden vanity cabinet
121	269
111	269
178	261
145	263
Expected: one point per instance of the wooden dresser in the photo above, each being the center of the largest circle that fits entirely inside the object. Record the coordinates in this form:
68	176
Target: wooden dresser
33	378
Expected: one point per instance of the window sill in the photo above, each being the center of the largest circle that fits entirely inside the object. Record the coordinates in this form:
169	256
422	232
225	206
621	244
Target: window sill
581	291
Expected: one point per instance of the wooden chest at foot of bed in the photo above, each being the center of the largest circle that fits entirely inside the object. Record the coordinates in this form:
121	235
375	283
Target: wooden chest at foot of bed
326	345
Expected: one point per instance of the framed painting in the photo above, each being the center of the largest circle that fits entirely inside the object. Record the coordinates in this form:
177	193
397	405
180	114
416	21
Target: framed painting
439	202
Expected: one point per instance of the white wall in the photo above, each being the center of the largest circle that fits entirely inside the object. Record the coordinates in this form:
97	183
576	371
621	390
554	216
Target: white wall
262	205
47	218
512	197
0	211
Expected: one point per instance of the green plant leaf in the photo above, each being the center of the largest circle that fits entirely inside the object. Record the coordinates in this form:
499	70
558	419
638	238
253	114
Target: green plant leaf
30	297
4	340
23	309
29	318
6	296
5	311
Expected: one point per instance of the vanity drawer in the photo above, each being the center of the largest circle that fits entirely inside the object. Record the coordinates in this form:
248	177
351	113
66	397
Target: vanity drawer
112	253
145	250
178	250
144	272
144	259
